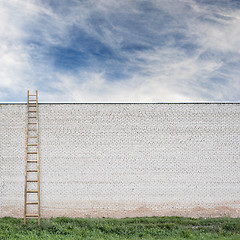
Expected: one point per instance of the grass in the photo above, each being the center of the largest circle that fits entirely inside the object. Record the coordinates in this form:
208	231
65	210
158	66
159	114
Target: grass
127	228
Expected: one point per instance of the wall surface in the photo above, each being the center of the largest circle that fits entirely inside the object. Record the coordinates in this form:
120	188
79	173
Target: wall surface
125	160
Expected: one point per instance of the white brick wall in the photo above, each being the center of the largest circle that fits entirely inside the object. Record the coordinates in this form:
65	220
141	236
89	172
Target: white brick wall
118	160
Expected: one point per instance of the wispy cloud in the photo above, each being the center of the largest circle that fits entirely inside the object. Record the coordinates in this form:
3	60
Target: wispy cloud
120	51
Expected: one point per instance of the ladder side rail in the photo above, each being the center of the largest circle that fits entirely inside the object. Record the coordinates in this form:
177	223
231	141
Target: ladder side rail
26	158
38	159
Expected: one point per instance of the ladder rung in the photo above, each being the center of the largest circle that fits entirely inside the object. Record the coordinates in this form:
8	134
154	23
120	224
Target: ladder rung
32	180
31	170
32	161
32	95
31	202
31	216
33	100
31	111
32	105
32	137
32	129
31	152
32	191
32	123
32	117
32	144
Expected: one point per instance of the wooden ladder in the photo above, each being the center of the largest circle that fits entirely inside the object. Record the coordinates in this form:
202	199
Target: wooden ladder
32	184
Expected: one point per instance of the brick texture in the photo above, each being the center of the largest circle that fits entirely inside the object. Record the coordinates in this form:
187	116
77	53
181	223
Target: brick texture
125	160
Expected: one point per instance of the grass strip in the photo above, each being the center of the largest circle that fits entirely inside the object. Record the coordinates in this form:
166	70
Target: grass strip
127	228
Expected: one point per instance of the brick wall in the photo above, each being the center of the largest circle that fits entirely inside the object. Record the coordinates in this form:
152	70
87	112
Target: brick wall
125	160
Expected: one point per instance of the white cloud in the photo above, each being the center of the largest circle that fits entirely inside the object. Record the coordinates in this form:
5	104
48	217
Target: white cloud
97	89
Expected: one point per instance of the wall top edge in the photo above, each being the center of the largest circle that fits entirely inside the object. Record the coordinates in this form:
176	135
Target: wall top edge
40	103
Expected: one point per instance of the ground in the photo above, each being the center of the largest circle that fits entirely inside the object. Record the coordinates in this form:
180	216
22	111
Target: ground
127	228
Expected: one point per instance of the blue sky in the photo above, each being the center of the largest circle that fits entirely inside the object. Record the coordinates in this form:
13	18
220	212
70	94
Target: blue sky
120	51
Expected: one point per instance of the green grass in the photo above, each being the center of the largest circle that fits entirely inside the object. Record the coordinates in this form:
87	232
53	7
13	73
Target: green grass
127	228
